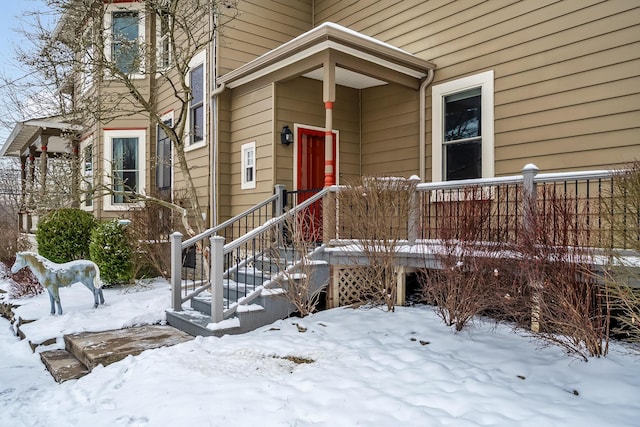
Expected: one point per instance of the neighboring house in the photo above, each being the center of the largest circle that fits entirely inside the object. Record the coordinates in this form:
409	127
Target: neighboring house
442	90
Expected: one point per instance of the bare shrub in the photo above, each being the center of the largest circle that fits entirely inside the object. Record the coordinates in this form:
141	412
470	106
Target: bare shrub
473	276
376	211
293	262
568	306
23	283
150	229
622	216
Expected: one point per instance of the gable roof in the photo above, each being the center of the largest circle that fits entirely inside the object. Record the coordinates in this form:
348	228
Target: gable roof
354	54
25	133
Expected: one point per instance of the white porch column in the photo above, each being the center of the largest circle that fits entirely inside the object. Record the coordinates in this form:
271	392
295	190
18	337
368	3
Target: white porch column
329	97
43	163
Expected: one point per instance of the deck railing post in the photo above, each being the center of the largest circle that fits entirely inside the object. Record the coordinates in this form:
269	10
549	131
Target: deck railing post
530	207
279	202
414	211
217	277
176	271
278	209
529	189
329	215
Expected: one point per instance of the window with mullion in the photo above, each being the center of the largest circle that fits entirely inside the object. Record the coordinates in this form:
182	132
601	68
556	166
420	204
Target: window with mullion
163	166
125	49
462	136
124	168
88	175
196	106
164	39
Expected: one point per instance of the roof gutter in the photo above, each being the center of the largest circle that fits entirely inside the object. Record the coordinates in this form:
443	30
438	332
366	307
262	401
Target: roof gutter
423	139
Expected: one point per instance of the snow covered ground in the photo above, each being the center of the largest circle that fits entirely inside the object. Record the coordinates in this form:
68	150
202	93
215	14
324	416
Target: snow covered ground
341	367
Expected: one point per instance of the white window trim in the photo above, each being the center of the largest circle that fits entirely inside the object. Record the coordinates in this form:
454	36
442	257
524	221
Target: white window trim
134	6
485	82
198	59
141	134
244	184
85	175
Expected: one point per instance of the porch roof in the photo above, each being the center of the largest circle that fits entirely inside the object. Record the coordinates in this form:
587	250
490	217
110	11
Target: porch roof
360	61
28	132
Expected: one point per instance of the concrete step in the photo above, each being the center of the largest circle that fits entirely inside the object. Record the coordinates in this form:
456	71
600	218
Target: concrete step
195	323
103	348
63	365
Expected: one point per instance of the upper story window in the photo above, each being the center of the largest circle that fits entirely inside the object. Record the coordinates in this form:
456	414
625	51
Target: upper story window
164	52
125	51
462	138
197	104
124	43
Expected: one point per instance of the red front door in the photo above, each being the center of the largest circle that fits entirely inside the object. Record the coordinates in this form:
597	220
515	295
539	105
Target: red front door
310	172
311	159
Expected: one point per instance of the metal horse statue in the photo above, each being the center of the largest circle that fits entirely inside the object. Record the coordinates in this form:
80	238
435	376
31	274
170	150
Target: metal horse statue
54	276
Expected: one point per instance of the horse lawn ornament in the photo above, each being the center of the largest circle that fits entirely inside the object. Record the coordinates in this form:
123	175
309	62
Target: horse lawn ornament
54	276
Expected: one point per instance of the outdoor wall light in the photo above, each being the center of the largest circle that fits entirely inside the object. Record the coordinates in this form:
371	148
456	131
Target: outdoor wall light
286	136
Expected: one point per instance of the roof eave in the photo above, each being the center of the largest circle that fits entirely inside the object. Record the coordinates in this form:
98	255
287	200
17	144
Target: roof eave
335	35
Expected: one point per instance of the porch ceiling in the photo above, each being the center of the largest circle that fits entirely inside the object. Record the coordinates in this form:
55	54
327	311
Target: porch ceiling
360	61
30	132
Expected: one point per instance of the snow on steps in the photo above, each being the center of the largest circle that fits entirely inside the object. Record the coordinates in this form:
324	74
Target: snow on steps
84	351
269	306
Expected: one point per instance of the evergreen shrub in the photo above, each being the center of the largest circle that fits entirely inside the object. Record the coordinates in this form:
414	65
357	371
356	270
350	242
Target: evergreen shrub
111	249
63	235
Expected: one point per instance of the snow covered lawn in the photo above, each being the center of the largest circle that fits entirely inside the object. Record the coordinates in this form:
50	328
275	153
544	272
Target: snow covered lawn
341	367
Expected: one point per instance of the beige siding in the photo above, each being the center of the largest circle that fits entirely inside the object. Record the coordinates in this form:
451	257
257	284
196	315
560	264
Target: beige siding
259	27
566	72
251	120
390	131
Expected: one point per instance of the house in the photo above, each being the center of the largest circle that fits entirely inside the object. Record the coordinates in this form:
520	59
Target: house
441	90
312	93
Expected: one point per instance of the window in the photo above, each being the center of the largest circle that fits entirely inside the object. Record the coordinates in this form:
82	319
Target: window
125	41
248	164
87	154
462	138
164	39
125	164
163	159
197	105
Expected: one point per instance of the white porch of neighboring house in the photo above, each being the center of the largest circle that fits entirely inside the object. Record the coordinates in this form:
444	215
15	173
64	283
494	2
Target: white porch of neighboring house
35	142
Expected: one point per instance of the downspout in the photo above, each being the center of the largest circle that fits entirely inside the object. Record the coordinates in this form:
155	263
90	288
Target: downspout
423	149
213	119
214	147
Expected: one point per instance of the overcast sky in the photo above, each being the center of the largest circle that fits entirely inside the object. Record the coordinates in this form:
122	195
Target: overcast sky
10	21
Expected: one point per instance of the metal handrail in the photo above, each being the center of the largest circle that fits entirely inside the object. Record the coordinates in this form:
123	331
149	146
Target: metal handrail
231	246
212	231
574	176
